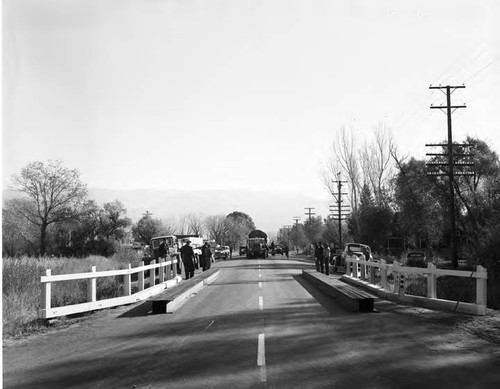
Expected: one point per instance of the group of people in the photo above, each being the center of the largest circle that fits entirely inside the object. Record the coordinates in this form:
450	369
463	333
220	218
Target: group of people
323	255
188	257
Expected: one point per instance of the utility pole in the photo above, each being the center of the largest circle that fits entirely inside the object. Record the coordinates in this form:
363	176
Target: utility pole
296	219
342	210
147	214
449	171
287	228
310	214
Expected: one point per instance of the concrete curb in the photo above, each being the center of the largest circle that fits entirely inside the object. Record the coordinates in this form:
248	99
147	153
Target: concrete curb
170	305
426	302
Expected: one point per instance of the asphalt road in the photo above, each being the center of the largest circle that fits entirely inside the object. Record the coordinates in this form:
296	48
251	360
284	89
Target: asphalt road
259	325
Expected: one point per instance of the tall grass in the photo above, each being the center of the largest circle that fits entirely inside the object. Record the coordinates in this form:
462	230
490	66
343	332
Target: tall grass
21	289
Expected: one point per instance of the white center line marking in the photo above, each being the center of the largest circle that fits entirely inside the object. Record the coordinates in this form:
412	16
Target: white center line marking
261	357
261	303
260	275
260	284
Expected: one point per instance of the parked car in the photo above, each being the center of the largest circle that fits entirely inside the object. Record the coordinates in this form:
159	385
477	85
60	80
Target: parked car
416	259
356	249
243	250
278	249
221	252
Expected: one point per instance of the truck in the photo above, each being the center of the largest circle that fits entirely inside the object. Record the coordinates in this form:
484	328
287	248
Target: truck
174	244
257	245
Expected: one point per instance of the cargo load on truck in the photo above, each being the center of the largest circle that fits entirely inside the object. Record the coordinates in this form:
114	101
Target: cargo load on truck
257	245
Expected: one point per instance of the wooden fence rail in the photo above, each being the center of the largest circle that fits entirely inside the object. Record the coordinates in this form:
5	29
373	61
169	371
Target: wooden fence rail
364	272
167	277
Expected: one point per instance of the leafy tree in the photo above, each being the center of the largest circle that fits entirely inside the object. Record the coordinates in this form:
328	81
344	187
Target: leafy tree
112	221
238	226
52	194
420	205
147	228
313	229
374	221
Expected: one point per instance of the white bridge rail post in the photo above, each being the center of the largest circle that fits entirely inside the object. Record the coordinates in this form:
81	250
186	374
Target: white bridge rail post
127	282
431	281
152	274
92	287
46	291
481	295
140	277
383	273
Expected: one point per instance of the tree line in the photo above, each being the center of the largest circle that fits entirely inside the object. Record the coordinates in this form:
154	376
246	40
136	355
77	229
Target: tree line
51	214
391	195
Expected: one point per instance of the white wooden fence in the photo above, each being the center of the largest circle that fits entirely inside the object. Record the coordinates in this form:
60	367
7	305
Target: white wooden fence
364	272
167	277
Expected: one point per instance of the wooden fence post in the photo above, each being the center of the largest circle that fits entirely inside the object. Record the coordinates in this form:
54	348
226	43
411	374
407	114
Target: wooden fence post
140	277
174	267
46	291
355	268
383	273
161	271
152	274
481	295
92	287
127	283
396	273
431	281
362	269
372	274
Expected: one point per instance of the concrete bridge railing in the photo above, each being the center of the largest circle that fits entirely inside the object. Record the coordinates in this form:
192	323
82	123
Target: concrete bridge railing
364	273
167	277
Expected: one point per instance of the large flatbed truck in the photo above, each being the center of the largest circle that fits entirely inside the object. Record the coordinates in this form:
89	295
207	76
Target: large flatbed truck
257	245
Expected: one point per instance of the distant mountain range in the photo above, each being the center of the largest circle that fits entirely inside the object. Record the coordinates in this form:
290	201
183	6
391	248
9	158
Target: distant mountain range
269	210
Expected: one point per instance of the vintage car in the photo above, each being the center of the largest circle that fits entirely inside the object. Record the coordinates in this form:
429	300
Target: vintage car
356	249
243	250
221	252
278	249
416	259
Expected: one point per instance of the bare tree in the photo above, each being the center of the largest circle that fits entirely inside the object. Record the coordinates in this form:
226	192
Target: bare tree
375	160
195	224
54	194
344	163
216	227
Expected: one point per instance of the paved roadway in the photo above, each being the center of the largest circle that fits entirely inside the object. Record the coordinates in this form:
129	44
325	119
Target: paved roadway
259	325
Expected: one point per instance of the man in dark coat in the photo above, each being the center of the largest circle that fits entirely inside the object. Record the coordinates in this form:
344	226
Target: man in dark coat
206	256
162	250
320	264
187	255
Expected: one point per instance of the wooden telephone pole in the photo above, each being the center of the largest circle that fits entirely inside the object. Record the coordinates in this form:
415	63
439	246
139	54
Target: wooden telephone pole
447	168
342	211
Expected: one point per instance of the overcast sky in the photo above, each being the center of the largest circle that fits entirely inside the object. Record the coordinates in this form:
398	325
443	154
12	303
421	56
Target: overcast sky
237	94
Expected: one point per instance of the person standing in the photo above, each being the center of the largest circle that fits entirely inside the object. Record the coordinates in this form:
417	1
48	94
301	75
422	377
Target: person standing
316	255
285	251
320	258
206	256
162	249
187	255
326	258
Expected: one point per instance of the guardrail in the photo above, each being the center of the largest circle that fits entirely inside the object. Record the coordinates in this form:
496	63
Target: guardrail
167	277
364	273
